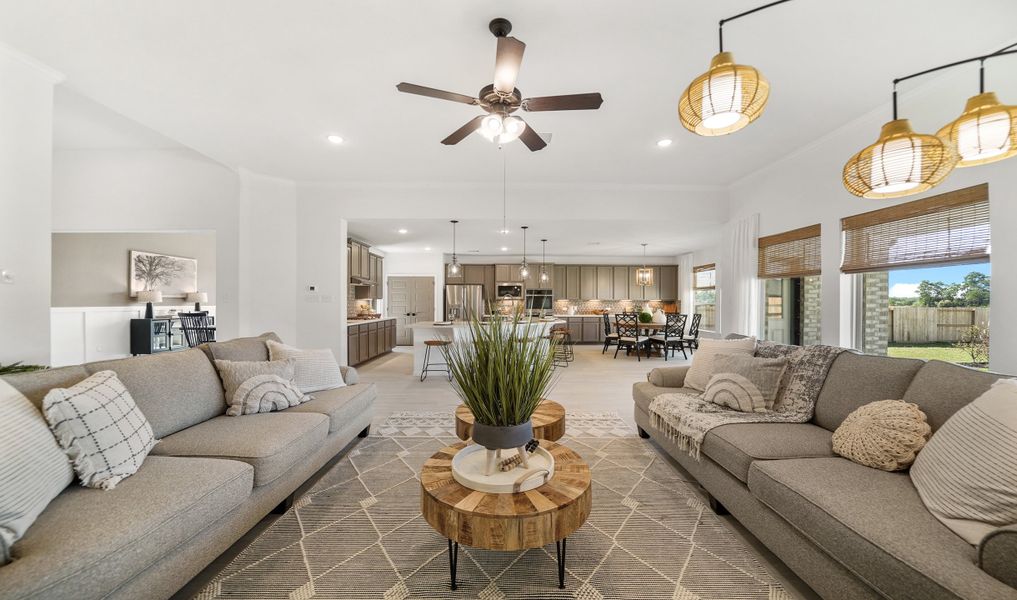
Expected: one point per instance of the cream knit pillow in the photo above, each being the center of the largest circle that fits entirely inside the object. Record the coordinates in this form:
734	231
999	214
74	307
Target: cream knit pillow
703	368
316	370
885	435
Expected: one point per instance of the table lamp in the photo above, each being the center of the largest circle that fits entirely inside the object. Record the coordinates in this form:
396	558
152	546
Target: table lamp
197	298
148	297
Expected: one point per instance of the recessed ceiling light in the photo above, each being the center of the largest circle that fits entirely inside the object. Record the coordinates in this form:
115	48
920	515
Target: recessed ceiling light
335	139
504	248
427	249
403	231
664	143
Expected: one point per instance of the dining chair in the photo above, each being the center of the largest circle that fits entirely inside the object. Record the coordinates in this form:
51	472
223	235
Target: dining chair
629	336
197	328
691	341
670	337
610	337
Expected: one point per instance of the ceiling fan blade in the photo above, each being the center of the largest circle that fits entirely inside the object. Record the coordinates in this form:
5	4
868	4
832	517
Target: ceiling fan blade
412	88
506	64
532	139
460	134
568	102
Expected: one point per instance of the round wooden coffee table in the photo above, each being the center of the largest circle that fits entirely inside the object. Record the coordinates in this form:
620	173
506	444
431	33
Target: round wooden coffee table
533	519
548	421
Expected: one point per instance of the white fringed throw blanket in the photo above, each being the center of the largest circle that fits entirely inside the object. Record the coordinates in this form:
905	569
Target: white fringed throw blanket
686	418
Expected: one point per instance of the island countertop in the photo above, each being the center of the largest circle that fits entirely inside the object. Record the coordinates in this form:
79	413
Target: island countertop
352	322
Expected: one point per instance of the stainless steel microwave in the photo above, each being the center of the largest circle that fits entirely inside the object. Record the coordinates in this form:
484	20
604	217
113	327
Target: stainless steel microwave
510	290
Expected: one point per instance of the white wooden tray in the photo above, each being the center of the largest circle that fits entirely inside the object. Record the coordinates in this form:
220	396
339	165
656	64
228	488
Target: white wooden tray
469	464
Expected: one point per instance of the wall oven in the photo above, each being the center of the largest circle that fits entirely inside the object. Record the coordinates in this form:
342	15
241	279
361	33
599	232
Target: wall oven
512	291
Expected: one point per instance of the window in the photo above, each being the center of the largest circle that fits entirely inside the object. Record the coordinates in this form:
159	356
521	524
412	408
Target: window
922	277
789	266
704	291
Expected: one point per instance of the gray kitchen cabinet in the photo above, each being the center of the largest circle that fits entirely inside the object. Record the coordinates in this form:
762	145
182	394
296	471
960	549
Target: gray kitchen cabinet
587	283
506	273
368	340
620	275
572	289
575	325
668	282
353	345
354	263
365	262
490	283
592	331
473	274
558	287
605	283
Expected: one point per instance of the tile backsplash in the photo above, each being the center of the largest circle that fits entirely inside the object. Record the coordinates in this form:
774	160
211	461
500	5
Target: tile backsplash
611	306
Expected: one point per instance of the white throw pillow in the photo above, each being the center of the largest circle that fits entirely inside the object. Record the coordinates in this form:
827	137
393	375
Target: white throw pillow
33	468
315	370
703	368
100	427
967	473
259	386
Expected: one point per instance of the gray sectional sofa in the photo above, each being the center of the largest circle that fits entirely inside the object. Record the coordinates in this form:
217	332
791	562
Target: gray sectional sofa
847	530
208	481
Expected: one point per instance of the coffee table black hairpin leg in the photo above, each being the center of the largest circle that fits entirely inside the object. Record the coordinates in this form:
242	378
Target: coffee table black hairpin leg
453	560
560	549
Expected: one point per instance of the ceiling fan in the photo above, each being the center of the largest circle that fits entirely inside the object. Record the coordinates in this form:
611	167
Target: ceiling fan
502	98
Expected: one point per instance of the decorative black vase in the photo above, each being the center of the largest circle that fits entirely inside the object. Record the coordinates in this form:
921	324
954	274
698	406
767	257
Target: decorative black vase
495	437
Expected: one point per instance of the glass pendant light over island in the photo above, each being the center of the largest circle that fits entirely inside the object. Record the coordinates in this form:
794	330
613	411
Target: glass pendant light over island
544	277
727	97
524	269
454	268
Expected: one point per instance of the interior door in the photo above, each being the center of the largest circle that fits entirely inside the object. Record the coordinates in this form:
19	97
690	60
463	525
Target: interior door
410	300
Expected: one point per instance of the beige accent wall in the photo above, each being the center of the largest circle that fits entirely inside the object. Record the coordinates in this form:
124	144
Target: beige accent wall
91	269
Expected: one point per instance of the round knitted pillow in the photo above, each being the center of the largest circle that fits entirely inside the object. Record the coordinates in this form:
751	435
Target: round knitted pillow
883	435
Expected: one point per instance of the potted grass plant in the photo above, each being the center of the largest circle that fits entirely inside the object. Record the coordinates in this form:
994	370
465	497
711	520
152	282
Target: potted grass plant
501	370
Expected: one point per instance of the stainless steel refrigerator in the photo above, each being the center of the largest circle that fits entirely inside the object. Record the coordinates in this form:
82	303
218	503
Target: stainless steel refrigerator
463	302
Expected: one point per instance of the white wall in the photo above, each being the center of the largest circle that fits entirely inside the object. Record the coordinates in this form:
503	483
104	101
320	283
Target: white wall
423	264
154	190
26	150
321	262
805	188
267	256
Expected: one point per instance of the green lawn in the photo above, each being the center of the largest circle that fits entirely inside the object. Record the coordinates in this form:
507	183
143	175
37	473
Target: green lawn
939	351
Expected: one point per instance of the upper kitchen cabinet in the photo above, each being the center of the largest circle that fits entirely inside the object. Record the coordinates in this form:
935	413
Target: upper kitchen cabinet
558	287
354	262
506	273
668	282
359	263
587	283
605	283
620	277
572	288
473	274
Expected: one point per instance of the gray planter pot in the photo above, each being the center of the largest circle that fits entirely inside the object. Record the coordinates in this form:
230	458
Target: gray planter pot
502	438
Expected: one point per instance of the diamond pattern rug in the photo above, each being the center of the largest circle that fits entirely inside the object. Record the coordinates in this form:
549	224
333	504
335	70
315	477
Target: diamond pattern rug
359	534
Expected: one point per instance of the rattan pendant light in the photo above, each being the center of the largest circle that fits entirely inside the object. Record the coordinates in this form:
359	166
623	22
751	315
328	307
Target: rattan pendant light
986	131
901	162
728	96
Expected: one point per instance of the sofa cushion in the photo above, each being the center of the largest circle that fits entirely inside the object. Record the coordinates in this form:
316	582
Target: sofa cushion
858	379
341	405
88	541
643	392
874	523
270	442
941	389
246	349
36	384
997	554
173	389
736	446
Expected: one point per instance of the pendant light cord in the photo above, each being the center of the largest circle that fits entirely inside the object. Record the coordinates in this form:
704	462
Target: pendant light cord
981	71
720	26
504	195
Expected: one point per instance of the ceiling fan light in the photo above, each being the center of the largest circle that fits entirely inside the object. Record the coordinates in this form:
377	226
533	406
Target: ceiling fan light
512	127
985	132
900	163
724	99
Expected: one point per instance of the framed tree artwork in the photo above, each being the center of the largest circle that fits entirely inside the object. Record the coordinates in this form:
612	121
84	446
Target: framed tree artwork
174	276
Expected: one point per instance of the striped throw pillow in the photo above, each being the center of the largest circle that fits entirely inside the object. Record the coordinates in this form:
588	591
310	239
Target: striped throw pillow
259	386
745	383
100	427
33	468
316	370
967	473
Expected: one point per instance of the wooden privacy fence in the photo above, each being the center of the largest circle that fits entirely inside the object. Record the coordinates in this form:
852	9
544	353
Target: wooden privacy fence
923	324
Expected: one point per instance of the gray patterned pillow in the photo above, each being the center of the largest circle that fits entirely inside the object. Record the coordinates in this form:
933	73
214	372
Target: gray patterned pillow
259	386
745	383
100	428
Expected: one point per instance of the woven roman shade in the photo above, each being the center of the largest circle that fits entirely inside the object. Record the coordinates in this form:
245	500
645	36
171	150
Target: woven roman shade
948	228
793	253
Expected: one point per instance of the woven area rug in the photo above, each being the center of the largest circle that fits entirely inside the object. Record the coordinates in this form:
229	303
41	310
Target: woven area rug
359	534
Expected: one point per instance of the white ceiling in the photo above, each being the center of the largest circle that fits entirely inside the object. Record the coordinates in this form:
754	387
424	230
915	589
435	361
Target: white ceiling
80	123
259	83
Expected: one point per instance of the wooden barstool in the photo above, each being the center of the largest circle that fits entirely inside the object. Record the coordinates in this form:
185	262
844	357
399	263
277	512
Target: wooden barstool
428	344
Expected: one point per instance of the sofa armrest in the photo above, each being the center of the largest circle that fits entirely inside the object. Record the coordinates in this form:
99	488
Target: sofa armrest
672	377
350	375
997	554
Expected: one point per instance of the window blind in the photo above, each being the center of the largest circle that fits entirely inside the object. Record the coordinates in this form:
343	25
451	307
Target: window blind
794	253
948	228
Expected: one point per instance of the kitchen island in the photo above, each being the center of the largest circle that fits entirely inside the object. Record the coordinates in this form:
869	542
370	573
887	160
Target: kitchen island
456	331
